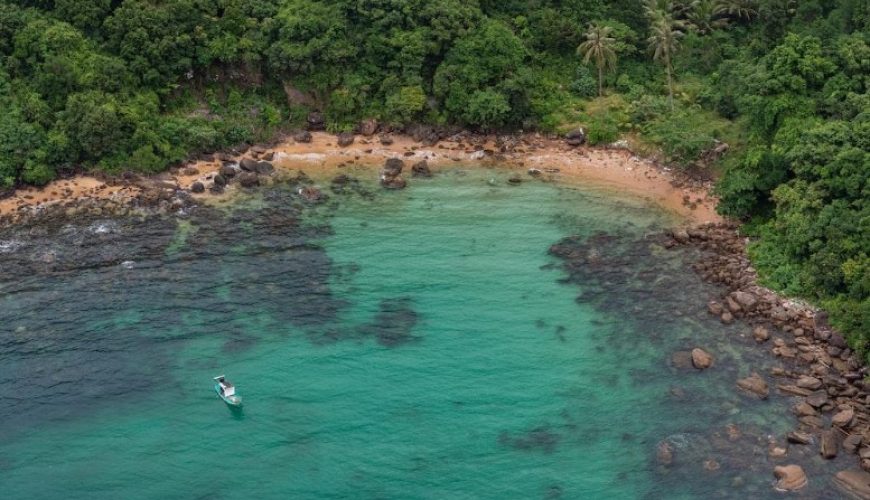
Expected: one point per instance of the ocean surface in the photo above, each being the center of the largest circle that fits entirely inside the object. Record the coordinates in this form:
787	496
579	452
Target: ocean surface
413	344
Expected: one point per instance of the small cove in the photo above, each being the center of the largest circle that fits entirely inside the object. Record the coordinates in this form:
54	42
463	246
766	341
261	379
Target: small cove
414	344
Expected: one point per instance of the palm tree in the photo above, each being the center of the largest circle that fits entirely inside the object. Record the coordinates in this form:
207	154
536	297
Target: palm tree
599	46
664	42
705	17
741	9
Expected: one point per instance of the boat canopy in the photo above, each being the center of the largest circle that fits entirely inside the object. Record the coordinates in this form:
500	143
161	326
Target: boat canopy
227	387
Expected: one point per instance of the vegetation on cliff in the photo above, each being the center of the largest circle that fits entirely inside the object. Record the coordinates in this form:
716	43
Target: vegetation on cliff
142	84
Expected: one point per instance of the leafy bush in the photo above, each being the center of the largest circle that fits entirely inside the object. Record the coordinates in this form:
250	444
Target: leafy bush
602	130
584	84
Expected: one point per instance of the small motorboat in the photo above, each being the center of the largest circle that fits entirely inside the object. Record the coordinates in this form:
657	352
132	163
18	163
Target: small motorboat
227	391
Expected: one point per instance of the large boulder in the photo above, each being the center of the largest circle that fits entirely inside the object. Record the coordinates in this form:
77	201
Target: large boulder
754	384
197	187
746	300
853	482
227	171
264	168
391	174
368	127
248	179
576	137
799	437
219	180
806	382
315	121
303	136
248	164
393	166
701	359
843	418
345	139
790	477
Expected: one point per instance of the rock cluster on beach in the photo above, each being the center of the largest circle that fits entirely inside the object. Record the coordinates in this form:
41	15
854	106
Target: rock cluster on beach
818	369
391	174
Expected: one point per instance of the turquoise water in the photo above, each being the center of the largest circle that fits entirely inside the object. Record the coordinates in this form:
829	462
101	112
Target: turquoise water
413	344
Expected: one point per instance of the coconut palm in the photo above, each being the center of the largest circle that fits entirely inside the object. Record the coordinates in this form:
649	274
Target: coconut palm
705	16
599	45
664	42
741	9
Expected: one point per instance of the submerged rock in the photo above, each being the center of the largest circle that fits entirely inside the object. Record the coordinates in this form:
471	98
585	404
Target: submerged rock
853	482
682	360
790	477
665	453
799	437
760	334
421	169
701	359
829	444
754	384
539	438
311	194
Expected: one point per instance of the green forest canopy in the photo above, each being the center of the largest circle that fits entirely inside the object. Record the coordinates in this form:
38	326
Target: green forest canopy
142	84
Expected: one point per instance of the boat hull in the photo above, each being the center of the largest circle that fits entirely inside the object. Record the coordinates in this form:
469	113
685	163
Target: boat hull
230	400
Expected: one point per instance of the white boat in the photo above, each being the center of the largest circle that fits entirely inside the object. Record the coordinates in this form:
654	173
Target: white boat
227	391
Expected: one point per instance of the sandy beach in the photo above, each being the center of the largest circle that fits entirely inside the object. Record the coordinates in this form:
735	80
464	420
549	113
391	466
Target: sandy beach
322	159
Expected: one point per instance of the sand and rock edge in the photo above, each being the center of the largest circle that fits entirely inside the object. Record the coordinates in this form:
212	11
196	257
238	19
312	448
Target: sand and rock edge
322	156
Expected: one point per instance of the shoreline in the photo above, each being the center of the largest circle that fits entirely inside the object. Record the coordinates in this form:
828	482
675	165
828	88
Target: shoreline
322	159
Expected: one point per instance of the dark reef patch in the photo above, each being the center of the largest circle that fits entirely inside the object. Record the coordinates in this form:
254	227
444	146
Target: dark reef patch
540	438
170	278
394	323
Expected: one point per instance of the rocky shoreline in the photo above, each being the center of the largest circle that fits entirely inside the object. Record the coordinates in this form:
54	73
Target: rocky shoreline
824	377
422	149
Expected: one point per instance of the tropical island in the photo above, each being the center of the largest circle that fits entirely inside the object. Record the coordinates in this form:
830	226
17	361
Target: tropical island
729	136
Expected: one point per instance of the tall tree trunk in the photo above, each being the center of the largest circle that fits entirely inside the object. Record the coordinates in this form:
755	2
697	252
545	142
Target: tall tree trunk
600	80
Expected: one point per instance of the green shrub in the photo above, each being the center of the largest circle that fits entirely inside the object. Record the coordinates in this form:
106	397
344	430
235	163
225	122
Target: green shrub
602	130
584	84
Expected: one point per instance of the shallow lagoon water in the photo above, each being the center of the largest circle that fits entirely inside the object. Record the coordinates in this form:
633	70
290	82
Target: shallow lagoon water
412	344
